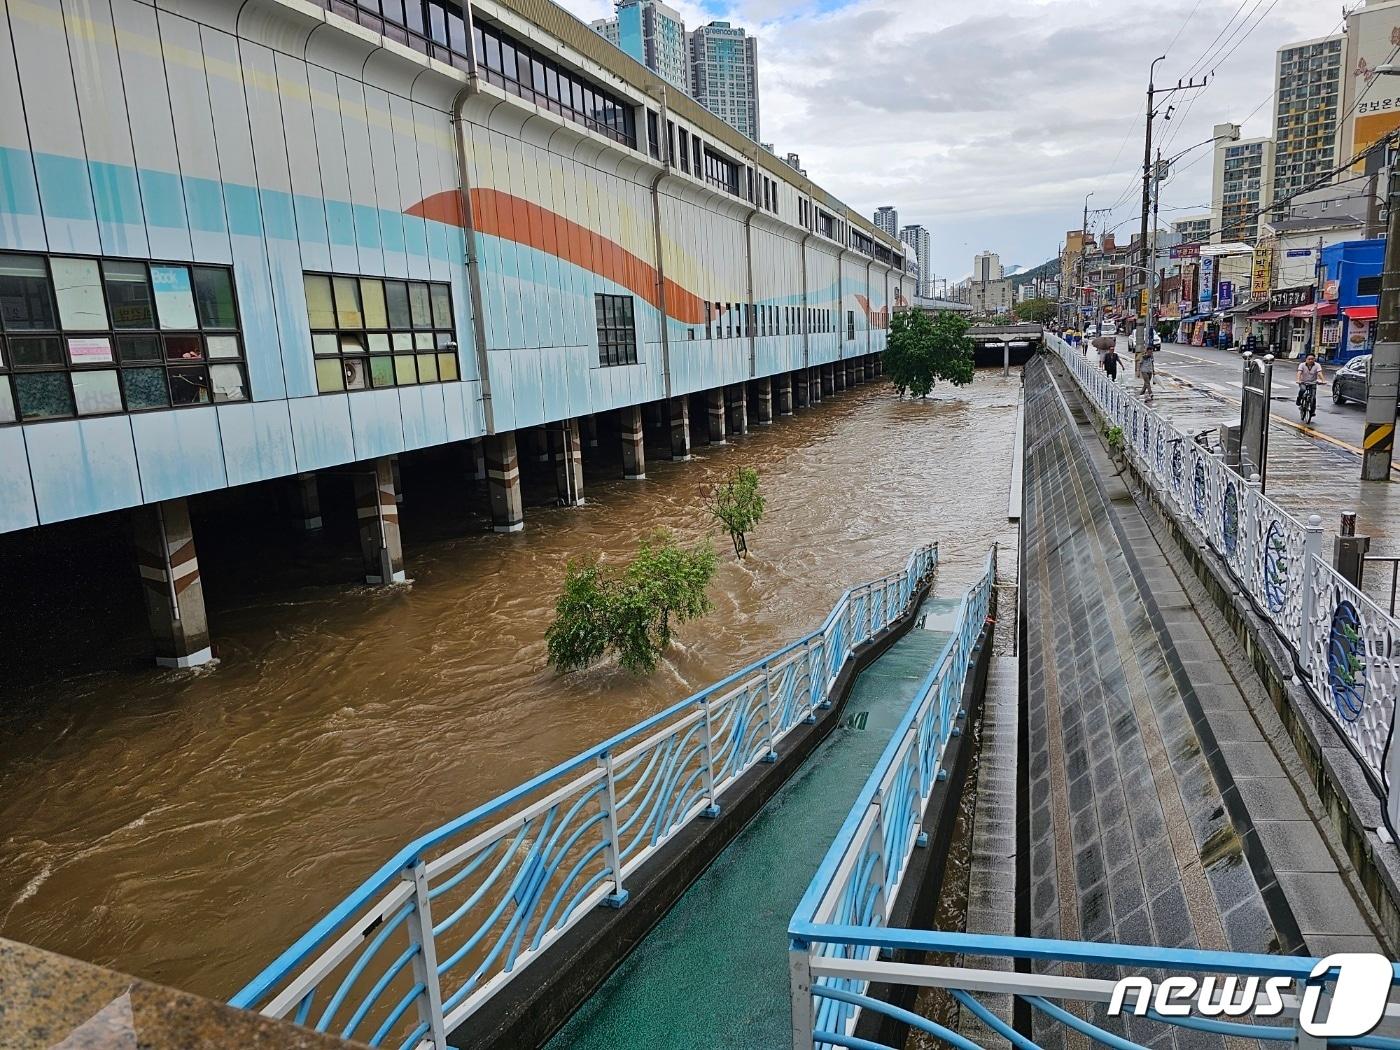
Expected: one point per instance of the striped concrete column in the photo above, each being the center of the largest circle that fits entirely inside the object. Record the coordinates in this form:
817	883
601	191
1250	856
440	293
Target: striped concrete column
801	383
540	437
880	364
870	368
837	371
634	453
568	462
503	476
165	557
738	409
852	372
783	383
816	384
378	511
680	428
398	480
306	502
588	426
763	402
475	459
714	404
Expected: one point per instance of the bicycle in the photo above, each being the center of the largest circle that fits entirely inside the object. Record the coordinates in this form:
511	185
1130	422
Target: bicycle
1307	402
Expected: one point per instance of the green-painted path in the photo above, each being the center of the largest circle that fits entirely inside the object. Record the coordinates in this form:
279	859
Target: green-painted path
714	972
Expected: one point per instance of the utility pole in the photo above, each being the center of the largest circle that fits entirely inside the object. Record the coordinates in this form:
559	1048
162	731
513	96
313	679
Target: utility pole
1147	265
1384	385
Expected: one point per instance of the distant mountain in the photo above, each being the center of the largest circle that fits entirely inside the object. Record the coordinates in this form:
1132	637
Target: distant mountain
1049	268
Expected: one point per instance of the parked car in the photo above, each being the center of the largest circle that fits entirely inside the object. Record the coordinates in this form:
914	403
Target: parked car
1349	382
1154	340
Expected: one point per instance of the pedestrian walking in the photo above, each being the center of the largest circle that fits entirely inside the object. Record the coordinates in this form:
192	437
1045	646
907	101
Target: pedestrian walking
1146	366
1110	362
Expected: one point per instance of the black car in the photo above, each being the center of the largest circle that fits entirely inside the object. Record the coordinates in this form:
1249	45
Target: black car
1349	382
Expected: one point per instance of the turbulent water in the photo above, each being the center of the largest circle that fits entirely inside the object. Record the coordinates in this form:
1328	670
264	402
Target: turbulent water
186	827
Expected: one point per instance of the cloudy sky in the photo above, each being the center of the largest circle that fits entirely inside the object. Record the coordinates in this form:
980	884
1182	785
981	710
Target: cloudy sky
989	121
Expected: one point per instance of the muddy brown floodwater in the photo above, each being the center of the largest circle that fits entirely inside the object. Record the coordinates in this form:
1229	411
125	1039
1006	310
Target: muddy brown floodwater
186	827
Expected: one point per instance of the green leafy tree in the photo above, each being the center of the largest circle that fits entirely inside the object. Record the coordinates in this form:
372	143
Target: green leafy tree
630	611
737	507
922	350
1037	311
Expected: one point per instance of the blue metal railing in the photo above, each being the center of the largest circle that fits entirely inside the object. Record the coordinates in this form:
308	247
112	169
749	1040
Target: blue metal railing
858	880
452	917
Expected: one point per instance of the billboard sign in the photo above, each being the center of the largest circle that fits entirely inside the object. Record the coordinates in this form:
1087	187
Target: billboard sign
1186	251
1262	275
1206	298
1227	294
1289	298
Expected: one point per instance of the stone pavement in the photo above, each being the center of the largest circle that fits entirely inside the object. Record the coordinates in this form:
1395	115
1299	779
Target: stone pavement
1307	475
1158	811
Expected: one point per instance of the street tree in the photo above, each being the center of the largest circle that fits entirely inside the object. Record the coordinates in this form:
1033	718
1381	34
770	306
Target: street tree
1037	311
631	611
922	350
737	507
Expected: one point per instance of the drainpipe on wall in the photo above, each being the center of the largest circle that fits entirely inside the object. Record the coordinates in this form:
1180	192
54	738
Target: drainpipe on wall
869	320
664	139
806	324
459	148
749	309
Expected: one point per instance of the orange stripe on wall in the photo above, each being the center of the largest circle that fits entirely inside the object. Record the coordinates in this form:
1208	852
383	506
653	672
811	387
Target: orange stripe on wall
516	219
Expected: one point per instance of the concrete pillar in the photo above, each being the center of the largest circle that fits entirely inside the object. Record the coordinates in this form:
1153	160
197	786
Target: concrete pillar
764	401
870	368
568	462
306	502
879	364
783	383
739	409
816	383
165	557
830	380
476	459
680	428
378	511
852	372
714	403
398	481
801	386
634	453
503	473
540	437
588	426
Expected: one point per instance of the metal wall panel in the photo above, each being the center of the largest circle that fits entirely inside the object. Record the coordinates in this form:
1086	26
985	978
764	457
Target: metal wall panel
17	509
21	224
257	441
179	452
321	433
82	466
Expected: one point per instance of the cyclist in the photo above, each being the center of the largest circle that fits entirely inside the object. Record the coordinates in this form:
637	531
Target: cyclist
1310	373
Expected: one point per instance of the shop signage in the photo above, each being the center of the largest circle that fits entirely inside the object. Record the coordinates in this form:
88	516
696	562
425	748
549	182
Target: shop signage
1262	274
1207	293
1186	251
1329	291
1299	253
1227	294
1288	298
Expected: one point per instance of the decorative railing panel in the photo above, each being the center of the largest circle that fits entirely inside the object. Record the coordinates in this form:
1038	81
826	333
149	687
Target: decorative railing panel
457	913
1345	646
859	879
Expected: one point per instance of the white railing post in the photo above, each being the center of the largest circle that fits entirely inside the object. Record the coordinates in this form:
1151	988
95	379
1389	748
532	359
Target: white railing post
1312	548
425	970
711	798
612	847
800	974
881	871
1251	535
770	755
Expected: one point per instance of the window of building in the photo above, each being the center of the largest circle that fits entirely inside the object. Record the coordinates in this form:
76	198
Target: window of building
685	151
653	135
707	320
617	330
372	332
93	337
721	172
850	324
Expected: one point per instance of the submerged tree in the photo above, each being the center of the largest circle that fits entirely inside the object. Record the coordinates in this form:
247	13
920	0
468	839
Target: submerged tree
737	507
629	611
922	350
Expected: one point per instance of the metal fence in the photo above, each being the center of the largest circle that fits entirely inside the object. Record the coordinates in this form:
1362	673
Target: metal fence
1346	647
858	881
456	914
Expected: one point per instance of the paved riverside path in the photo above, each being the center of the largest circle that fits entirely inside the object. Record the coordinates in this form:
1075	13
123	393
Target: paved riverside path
714	971
1159	813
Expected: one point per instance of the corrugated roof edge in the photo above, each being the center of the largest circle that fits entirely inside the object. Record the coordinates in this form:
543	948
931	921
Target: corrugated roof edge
553	19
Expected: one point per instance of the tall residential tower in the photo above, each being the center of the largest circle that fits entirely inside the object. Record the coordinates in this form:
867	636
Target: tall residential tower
887	219
917	237
724	75
653	34
1307	83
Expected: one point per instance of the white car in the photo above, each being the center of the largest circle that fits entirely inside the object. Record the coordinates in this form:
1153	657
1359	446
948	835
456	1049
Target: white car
1110	328
1154	339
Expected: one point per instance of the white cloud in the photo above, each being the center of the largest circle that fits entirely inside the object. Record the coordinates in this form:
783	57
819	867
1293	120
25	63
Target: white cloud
989	122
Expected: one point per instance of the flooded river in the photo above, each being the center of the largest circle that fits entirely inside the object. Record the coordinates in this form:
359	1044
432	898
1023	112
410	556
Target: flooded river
186	827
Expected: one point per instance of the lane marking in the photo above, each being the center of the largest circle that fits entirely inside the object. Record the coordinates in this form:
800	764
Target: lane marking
1305	430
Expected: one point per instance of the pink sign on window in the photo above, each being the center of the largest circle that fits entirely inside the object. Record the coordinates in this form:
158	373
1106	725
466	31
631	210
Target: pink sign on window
90	351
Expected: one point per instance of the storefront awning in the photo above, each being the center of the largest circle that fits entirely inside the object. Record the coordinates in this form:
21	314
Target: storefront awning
1360	313
1269	315
1315	310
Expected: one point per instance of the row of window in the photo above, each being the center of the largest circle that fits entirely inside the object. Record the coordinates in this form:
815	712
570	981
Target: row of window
739	320
83	336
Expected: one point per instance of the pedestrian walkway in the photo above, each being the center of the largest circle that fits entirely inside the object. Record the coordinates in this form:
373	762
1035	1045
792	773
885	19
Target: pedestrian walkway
1307	475
1159	812
714	971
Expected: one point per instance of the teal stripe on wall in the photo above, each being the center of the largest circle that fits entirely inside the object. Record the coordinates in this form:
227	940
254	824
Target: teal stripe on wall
19	193
63	186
